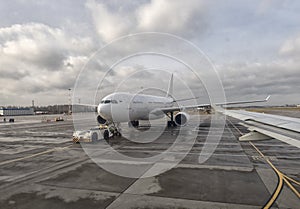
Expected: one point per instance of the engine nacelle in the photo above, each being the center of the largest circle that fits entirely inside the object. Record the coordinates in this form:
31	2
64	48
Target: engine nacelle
181	118
101	120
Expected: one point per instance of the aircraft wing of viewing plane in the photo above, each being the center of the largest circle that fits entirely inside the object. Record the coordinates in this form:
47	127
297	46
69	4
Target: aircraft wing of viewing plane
266	126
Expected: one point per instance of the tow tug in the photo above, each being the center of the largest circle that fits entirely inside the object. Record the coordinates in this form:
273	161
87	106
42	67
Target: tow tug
95	134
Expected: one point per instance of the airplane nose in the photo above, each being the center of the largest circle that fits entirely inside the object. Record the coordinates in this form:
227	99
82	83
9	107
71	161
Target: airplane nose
104	111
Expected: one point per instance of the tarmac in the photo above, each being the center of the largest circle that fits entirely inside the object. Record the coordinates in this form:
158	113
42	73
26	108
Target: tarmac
40	167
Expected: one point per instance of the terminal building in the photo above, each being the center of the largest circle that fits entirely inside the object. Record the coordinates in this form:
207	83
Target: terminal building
16	111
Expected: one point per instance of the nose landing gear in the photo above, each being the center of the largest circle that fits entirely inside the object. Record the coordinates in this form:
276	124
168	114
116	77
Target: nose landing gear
106	135
112	131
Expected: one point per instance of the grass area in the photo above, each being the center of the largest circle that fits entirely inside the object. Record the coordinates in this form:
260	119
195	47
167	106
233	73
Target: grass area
268	109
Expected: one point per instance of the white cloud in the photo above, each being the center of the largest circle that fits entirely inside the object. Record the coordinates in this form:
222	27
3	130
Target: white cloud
169	15
178	17
108	25
291	47
38	58
35	42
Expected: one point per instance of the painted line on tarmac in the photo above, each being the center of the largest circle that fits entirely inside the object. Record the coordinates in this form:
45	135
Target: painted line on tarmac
35	155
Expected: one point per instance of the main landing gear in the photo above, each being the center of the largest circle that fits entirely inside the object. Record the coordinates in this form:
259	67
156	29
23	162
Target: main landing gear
171	123
111	131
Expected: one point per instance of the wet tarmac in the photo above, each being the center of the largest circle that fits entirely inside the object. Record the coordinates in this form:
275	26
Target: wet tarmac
40	167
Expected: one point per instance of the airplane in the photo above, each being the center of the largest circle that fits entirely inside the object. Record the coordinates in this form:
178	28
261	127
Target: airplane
121	107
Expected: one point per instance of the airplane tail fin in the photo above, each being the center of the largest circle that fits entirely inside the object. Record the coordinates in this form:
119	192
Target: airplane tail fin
170	88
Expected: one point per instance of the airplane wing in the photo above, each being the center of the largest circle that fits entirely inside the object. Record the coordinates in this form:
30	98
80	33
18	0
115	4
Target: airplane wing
243	102
266	126
86	105
78	107
182	108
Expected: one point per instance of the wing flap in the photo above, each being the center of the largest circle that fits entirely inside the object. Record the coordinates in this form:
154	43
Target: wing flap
254	136
270	135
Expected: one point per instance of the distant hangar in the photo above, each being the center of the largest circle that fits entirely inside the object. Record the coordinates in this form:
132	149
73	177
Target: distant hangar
16	111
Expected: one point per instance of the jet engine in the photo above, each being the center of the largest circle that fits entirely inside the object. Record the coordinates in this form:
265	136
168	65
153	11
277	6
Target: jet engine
181	118
101	120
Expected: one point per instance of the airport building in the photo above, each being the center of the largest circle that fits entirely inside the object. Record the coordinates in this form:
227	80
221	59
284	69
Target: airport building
16	111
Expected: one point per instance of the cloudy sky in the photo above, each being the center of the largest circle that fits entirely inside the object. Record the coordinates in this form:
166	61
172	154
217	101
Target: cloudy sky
254	44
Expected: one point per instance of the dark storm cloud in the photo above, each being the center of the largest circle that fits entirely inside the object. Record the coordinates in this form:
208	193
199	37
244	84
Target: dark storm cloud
279	78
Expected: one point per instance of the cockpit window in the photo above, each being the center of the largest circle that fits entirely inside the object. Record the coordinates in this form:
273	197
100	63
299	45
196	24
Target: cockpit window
109	101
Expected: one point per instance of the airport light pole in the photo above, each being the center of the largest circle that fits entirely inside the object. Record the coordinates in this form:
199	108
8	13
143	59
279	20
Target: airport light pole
69	101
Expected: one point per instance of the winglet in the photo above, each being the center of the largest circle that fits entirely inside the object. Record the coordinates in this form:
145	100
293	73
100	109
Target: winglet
268	97
170	88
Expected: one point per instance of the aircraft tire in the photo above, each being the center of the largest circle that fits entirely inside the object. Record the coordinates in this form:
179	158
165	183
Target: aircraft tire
106	135
171	124
94	137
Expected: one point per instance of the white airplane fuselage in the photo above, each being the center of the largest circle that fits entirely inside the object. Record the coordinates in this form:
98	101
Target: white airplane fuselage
124	107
